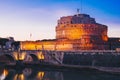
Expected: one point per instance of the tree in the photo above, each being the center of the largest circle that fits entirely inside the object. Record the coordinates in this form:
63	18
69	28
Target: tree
3	42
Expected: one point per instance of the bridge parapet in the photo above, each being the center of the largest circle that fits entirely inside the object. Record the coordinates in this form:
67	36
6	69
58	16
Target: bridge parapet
53	56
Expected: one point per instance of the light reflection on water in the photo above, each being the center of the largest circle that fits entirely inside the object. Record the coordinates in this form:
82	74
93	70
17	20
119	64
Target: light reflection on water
42	74
3	74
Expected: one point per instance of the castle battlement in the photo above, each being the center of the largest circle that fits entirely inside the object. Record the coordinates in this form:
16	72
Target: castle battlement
77	32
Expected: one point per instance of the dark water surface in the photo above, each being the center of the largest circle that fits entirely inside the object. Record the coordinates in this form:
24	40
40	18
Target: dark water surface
52	74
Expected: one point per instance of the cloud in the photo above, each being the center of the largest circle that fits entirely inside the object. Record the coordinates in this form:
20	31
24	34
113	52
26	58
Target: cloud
113	30
20	22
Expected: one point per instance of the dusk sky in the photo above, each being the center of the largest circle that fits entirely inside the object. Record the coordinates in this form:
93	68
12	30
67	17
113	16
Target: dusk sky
20	18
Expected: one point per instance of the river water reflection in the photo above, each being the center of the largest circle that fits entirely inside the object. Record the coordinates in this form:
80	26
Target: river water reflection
51	74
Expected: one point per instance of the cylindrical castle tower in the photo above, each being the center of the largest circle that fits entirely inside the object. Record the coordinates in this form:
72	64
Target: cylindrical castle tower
81	27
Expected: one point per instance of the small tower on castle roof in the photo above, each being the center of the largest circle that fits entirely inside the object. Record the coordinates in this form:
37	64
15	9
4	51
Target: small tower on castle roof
78	12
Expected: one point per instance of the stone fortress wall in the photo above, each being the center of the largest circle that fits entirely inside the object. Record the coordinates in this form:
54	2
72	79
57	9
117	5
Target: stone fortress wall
77	32
83	29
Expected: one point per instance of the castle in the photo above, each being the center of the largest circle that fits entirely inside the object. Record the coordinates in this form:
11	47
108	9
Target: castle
83	30
77	32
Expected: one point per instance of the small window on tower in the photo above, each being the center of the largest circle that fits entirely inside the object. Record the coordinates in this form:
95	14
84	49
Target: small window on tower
63	32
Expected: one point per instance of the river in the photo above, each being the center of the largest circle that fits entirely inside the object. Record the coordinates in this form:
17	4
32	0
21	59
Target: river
53	74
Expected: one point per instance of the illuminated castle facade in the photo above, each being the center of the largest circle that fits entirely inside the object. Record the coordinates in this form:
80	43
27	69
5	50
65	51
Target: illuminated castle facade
83	30
77	32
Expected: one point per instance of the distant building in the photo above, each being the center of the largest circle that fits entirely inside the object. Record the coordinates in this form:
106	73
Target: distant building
9	43
77	32
6	43
3	43
11	39
114	43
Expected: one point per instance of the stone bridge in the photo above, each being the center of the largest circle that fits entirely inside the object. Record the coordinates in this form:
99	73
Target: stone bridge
33	56
109	58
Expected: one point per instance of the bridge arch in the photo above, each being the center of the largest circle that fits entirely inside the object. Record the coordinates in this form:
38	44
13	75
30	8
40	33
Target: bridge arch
10	57
34	57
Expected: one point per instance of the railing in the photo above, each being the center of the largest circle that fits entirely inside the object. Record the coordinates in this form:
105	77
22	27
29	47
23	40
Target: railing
52	53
